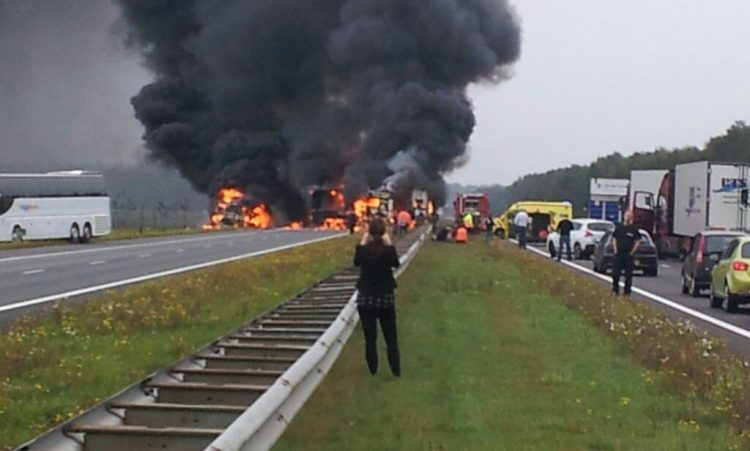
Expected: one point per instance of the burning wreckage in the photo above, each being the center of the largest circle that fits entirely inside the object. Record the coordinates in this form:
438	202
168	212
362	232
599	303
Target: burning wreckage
327	207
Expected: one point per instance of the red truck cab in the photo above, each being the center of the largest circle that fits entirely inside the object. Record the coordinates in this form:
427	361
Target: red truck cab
478	204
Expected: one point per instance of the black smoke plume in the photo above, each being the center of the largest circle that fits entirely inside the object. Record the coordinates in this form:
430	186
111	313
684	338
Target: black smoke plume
278	95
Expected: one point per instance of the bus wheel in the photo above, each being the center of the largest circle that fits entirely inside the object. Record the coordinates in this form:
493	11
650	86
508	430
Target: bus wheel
75	234
86	237
17	234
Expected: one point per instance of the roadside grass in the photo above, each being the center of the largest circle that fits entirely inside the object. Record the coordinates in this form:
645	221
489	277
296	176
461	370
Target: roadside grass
59	364
691	361
492	361
117	234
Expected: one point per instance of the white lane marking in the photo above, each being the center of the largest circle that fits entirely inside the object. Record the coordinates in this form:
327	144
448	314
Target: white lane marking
170	272
179	251
125	246
97	262
664	265
33	271
662	300
144	255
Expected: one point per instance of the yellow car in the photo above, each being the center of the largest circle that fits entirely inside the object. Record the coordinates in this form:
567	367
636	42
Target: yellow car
730	278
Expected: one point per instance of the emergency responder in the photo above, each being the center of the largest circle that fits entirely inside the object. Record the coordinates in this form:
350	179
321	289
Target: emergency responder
403	220
468	221
462	235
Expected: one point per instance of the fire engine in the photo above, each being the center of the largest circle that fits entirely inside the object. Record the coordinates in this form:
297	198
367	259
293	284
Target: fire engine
478	204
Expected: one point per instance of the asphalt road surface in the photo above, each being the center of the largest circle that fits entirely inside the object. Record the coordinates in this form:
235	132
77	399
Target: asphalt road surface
37	276
668	285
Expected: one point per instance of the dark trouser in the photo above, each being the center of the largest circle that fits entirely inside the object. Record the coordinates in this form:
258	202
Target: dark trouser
488	235
369	317
622	262
564	243
521	235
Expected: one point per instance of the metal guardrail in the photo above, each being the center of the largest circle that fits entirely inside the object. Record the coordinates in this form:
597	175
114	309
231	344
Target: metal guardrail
259	427
239	392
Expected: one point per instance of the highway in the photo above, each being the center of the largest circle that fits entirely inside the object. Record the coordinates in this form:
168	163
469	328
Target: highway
36	276
667	286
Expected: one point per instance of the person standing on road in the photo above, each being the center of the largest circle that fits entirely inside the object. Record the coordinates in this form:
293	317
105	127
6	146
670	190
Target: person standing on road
351	222
564	228
376	257
521	222
488	223
625	241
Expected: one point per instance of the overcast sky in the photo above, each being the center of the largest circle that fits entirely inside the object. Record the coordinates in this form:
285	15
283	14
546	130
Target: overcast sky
65	86
595	76
598	76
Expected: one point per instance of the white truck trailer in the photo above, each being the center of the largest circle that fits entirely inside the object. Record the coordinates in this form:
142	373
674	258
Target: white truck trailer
709	196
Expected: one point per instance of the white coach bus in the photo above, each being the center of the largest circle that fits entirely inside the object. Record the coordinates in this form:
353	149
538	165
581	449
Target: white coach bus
70	204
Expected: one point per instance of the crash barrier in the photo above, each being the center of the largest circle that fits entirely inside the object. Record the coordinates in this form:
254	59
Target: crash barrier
259	427
239	392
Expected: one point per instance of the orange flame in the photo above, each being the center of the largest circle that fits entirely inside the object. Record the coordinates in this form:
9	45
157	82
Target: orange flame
257	217
334	224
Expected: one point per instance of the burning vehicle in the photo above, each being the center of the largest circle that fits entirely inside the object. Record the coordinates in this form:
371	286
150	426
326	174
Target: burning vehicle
328	208
234	209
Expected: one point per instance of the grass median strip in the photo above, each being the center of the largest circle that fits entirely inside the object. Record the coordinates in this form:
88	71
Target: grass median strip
493	361
59	364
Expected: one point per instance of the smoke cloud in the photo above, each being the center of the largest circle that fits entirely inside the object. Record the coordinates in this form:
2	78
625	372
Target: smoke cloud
278	95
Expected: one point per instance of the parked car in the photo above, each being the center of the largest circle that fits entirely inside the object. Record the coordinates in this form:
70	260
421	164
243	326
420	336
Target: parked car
730	278
703	255
586	232
645	258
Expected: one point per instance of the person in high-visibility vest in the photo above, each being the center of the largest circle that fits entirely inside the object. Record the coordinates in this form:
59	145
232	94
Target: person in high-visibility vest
462	235
404	220
469	221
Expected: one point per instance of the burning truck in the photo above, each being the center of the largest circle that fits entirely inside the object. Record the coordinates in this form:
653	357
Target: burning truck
234	209
328	208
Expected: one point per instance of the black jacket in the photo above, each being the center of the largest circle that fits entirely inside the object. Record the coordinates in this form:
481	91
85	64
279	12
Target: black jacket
376	274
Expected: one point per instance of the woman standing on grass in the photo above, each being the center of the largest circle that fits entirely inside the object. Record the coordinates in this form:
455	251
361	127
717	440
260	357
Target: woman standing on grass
376	257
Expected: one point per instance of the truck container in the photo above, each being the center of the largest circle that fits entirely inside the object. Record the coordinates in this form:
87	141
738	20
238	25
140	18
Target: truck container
707	196
692	198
